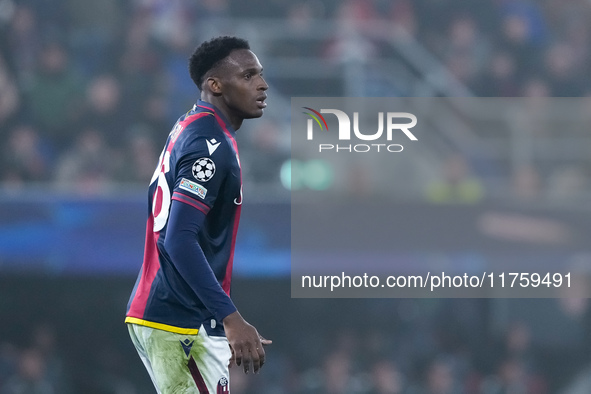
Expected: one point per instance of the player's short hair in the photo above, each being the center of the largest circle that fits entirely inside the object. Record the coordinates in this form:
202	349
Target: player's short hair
209	54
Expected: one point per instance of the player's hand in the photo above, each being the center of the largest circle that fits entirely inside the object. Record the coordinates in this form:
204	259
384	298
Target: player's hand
245	342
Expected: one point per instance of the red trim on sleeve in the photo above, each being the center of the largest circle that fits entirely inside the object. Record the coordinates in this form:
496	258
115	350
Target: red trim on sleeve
190	201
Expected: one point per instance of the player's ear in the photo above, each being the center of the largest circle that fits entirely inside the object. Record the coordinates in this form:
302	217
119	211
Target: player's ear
214	85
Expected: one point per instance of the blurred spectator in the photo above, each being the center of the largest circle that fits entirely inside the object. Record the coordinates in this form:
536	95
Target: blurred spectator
440	379
154	117
89	167
352	46
271	151
516	358
45	341
499	79
31	377
141	158
181	91
103	109
25	158
53	18
8	358
140	67
355	15
54	97
10	97
526	182
300	16
112	377
466	51
513	377
457	184
300	19
95	31
386	378
562	73
402	14
523	33
535	87
211	15
169	18
337	378
23	44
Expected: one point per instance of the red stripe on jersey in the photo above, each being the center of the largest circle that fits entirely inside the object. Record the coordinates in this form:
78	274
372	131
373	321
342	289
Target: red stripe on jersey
226	283
234	143
181	126
197	377
224	127
190	201
150	268
193	117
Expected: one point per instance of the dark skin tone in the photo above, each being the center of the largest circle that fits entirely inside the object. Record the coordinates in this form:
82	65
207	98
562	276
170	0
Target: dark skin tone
237	88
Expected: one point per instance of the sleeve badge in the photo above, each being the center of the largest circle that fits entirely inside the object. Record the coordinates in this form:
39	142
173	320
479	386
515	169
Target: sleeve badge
203	169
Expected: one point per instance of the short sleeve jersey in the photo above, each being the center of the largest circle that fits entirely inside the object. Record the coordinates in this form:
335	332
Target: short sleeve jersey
199	166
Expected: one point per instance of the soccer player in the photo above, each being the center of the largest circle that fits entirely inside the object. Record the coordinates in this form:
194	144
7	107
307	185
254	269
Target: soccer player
181	319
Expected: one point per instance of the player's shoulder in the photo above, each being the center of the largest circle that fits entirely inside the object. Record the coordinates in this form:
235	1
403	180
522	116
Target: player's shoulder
203	137
201	124
198	127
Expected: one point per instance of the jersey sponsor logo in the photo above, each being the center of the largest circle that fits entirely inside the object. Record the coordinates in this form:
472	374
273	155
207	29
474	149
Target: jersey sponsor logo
238	201
203	169
187	344
193	187
223	387
212	145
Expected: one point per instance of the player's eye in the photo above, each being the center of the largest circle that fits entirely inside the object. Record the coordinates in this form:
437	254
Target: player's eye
247	76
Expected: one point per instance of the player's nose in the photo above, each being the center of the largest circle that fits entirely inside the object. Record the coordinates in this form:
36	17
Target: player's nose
263	85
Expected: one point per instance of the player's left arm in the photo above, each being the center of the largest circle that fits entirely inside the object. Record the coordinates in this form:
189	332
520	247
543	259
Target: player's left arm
195	192
188	258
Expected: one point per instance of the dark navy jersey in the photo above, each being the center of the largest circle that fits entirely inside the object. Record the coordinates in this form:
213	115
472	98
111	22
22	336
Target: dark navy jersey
194	203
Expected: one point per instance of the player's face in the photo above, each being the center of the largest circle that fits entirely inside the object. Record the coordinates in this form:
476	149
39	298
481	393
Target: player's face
243	85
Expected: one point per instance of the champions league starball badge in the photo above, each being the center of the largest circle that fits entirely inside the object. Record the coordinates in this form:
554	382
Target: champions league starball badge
203	169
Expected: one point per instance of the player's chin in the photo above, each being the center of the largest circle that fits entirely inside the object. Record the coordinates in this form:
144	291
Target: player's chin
257	113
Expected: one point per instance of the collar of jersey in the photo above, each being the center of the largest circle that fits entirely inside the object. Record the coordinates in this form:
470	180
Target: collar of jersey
205	106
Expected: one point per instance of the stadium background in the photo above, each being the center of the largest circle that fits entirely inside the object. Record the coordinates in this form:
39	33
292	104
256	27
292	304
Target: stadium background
89	90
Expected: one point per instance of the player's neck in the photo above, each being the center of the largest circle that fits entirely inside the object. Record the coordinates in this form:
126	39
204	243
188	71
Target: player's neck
235	121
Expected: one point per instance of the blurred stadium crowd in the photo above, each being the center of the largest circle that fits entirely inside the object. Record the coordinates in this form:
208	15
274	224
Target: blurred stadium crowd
89	91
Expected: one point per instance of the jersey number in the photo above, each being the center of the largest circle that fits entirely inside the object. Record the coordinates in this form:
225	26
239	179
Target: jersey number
161	199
